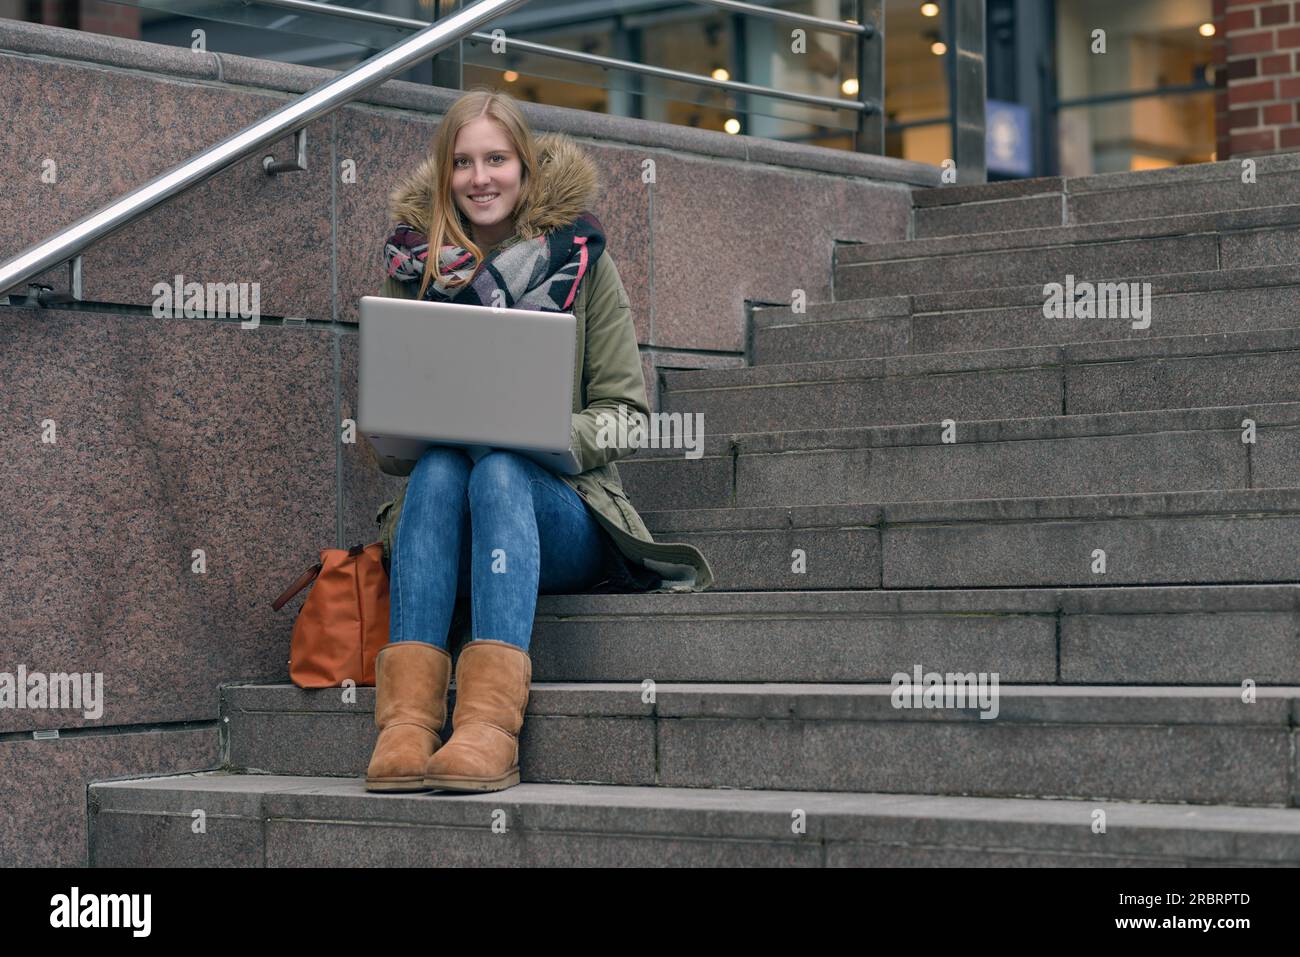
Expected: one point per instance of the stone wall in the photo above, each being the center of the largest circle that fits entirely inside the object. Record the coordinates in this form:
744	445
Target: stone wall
197	467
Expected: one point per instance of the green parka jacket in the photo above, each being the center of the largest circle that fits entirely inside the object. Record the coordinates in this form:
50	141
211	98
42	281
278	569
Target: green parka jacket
607	372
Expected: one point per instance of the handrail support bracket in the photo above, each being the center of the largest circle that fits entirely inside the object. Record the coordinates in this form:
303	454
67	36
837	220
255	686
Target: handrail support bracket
298	165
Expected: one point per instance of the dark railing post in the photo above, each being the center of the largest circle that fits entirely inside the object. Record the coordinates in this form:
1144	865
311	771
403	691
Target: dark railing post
869	137
968	88
448	66
738	67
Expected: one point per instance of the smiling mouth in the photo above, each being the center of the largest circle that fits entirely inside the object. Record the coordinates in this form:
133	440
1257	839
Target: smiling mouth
486	199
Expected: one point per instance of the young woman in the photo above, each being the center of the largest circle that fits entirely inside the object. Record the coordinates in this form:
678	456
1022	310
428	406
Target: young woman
509	214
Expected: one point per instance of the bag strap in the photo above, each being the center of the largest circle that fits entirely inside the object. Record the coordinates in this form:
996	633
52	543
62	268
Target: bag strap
307	577
303	581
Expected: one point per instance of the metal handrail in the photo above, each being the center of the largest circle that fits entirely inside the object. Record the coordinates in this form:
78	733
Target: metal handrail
735	6
666	73
69	243
613	63
803	19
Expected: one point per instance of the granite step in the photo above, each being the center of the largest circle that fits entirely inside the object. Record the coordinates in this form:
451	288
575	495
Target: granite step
1241	536
1109	453
1198	303
1233	239
1172	372
1194	744
287	821
1106	197
1104	634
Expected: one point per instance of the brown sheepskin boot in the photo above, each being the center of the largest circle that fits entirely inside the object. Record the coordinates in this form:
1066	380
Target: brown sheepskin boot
411	679
492	682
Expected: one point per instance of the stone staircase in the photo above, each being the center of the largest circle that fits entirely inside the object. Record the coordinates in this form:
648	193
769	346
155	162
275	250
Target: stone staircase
1148	713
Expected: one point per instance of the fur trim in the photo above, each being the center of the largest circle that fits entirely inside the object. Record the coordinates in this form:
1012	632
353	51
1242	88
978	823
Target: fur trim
569	185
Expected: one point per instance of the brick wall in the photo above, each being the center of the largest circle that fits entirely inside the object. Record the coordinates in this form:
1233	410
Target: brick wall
1257	66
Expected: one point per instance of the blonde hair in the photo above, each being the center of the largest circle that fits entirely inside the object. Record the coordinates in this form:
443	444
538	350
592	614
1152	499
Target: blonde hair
445	223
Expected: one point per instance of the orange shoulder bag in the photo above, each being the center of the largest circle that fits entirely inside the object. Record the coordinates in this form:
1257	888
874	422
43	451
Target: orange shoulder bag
343	624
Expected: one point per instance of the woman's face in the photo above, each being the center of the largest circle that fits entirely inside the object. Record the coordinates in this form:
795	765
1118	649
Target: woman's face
485	165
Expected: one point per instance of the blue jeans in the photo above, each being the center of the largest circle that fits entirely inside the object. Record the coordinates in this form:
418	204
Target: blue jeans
503	530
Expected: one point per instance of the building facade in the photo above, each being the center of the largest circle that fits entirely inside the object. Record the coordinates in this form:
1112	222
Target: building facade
1074	86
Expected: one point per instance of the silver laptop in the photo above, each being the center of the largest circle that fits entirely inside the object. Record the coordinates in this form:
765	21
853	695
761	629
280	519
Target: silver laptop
472	377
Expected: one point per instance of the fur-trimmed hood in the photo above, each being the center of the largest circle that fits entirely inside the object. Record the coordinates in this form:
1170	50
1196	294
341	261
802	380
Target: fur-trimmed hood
569	185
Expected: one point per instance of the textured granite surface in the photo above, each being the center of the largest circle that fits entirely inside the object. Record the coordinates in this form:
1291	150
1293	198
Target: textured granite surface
110	131
171	436
43	784
182	434
312	241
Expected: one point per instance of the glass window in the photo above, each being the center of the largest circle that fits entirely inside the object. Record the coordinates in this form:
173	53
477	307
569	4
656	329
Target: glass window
1146	101
916	81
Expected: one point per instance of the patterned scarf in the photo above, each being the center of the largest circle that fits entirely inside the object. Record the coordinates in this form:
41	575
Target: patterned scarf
541	274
